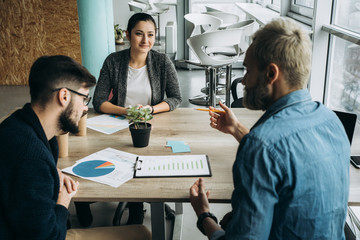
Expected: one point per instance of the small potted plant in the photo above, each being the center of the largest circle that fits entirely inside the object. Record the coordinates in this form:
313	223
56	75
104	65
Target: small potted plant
119	34
139	128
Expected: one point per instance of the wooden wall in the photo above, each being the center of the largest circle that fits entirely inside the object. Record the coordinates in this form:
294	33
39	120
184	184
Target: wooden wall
32	28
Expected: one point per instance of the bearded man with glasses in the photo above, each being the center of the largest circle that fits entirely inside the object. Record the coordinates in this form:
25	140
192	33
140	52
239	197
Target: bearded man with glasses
35	195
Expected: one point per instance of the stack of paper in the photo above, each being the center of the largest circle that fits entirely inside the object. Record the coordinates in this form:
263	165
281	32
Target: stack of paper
107	124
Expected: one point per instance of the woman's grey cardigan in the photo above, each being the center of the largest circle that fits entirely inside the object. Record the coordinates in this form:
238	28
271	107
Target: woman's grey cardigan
114	73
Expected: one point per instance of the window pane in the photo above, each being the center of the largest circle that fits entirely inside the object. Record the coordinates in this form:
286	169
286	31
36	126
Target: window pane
347	15
305	3
276	2
344	77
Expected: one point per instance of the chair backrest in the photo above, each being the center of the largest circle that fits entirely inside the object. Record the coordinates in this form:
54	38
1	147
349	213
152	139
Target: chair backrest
219	38
227	18
248	29
207	22
210	9
136	7
238	101
157	7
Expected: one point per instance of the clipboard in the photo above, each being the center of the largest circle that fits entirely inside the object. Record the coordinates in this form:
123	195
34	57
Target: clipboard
172	166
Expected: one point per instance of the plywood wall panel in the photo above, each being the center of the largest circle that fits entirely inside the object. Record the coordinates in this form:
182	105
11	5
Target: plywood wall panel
33	28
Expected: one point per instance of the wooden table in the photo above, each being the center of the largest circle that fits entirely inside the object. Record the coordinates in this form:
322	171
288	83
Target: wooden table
183	124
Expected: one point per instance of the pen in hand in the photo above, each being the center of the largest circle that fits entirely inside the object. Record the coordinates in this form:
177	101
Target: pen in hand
208	110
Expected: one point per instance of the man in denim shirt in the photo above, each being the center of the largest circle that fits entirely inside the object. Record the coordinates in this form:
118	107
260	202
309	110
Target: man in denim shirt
291	173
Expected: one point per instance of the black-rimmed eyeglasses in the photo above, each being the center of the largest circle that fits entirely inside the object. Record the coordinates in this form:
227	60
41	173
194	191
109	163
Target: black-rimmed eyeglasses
87	98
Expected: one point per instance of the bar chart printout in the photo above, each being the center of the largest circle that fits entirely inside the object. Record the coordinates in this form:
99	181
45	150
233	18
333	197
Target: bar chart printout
172	166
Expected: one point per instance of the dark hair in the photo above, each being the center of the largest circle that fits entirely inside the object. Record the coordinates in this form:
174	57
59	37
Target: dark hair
51	72
137	17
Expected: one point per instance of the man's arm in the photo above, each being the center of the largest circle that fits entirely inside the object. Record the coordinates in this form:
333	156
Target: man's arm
32	202
200	203
257	180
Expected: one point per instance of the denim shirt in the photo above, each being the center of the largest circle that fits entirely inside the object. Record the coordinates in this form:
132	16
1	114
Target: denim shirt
291	174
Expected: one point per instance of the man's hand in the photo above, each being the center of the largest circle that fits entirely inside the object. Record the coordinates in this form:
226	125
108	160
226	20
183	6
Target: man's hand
67	181
199	198
65	197
227	122
224	122
68	189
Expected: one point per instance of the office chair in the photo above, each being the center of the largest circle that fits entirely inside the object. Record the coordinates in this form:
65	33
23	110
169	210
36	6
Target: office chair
238	101
212	62
136	7
211	9
226	17
202	22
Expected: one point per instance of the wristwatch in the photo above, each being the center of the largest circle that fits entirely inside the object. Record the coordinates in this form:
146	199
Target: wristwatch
201	218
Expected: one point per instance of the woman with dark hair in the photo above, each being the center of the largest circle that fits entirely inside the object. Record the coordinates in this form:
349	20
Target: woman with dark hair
138	75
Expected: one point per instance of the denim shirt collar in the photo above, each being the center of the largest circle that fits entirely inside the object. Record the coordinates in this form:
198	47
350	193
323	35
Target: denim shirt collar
284	102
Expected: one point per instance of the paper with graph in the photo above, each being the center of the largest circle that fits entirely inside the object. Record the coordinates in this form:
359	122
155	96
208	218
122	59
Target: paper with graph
109	166
107	124
172	166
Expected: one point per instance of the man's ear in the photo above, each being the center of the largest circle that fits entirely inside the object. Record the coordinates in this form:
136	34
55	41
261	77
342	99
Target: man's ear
272	72
64	97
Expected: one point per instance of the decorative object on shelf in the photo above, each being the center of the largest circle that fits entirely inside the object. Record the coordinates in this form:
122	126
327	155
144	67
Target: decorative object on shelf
139	128
119	34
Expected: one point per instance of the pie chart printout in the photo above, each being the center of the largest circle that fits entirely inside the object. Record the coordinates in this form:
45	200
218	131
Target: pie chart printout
94	168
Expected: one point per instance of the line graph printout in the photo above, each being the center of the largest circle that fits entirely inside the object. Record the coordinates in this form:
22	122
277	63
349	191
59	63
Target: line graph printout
172	166
108	166
107	124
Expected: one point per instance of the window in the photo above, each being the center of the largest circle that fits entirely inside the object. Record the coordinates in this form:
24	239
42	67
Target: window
343	78
276	2
347	15
302	10
304	3
274	5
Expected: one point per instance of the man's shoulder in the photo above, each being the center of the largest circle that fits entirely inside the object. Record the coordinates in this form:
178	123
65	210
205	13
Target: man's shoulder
293	120
16	136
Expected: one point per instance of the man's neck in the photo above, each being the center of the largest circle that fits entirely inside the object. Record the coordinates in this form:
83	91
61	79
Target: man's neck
280	89
48	120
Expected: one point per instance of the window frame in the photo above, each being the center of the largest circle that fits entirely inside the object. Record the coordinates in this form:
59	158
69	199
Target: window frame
273	6
301	10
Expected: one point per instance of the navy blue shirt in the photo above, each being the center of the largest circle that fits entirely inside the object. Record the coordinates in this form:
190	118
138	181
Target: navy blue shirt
29	181
291	174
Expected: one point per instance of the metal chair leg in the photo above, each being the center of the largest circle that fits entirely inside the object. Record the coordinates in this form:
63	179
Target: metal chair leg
118	213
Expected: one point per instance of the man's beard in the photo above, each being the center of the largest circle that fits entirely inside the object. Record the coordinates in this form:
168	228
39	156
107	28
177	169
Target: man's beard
65	121
257	98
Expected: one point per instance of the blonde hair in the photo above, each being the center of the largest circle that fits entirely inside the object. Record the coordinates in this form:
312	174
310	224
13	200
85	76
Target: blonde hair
286	44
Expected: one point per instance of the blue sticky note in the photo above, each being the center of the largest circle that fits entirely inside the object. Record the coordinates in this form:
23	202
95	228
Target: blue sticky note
170	143
178	146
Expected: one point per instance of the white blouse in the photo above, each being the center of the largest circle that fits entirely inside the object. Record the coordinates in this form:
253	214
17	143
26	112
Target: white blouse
138	89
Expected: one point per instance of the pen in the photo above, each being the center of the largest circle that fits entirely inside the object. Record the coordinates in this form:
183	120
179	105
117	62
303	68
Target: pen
208	110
